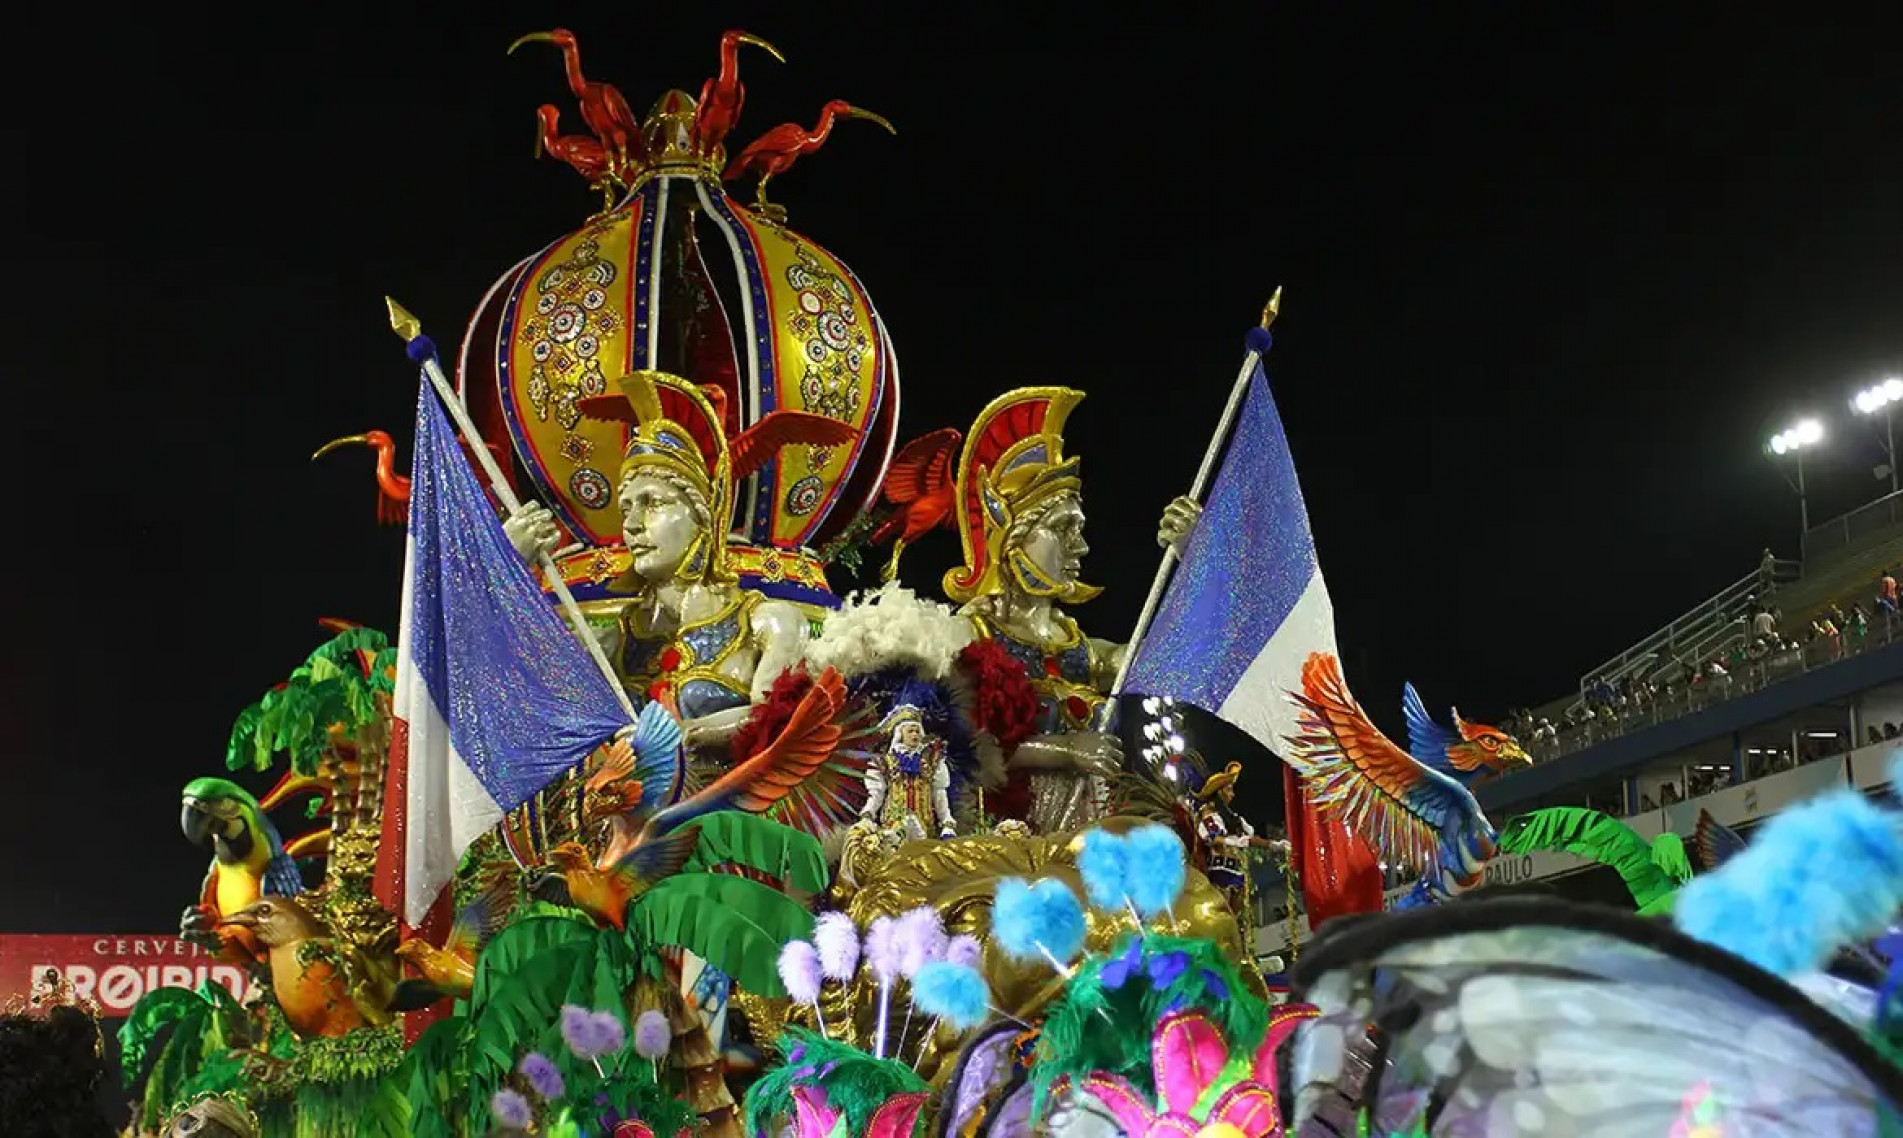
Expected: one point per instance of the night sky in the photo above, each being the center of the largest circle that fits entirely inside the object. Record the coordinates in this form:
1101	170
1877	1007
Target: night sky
1553	276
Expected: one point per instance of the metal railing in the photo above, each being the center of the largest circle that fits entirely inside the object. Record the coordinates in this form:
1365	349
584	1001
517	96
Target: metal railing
1714	625
1845	531
1613	721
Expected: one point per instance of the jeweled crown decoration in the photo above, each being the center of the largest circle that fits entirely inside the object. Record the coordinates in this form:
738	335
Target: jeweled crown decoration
676	276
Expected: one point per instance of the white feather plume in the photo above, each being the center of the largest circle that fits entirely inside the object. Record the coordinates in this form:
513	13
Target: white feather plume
890	628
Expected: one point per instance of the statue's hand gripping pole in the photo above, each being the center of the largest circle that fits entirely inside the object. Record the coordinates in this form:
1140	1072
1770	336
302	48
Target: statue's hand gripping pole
1196	491
423	352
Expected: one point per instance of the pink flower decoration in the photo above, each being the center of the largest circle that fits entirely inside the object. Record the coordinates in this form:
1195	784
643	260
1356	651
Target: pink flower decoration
1187	1056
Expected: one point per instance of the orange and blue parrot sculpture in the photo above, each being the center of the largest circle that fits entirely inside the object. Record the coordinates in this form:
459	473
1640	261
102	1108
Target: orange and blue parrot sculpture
1468	753
651	833
1415	811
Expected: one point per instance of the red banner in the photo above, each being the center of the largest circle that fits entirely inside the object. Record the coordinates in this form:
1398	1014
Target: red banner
115	971
1339	872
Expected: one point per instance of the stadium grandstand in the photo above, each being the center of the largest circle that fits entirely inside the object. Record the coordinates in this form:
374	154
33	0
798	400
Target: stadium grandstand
1785	682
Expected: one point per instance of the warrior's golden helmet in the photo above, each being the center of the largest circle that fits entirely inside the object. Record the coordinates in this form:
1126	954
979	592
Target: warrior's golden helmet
679	430
1013	466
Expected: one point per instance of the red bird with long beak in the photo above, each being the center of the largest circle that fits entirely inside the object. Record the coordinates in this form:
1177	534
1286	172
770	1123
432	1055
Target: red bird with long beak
721	97
775	151
393	497
583	154
603	107
922	483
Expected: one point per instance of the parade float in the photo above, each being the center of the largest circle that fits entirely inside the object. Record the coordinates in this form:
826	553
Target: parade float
807	861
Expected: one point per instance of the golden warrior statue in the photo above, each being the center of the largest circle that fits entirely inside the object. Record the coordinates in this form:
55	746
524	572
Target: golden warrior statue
687	634
1020	513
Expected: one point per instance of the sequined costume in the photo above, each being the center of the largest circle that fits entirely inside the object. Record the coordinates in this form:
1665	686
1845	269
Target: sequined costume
909	787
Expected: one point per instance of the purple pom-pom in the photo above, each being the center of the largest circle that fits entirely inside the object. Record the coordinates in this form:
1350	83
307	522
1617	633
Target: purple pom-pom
882	950
540	1071
837	939
652	1036
610	1036
511	1110
920	937
1104	864
799	971
953	993
578	1031
964	950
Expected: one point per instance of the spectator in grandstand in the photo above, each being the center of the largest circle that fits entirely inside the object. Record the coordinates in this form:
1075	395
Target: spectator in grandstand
1859	623
1886	593
1767	568
1763	624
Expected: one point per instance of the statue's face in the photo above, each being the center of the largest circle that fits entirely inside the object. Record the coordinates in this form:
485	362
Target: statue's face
658	524
910	734
1055	542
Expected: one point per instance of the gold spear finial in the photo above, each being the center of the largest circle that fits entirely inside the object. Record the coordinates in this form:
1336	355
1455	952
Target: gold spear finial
409	327
1269	311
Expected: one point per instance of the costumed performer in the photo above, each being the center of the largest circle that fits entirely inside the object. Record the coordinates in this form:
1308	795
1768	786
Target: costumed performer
908	788
1226	837
1020	513
687	632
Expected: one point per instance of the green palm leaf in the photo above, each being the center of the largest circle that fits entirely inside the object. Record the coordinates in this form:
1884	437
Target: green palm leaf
733	837
734	924
1596	837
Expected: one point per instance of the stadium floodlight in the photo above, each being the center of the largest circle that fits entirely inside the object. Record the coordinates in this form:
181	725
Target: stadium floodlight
1883	397
1795	440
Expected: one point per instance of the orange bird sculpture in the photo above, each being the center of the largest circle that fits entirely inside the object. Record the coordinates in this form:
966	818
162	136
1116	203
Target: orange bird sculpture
721	97
604	894
450	971
324	988
921	483
775	151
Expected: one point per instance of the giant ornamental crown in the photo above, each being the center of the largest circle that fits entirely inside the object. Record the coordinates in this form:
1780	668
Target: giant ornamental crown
770	321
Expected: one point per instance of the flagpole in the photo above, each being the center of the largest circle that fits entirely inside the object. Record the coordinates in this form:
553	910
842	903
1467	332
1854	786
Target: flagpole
423	352
1196	488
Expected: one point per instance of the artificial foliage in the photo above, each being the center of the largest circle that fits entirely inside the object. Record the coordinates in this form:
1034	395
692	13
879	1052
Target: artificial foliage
1652	871
856	1083
791	857
336	686
1107	1014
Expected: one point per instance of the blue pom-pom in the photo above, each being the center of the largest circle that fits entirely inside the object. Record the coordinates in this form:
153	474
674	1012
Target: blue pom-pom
954	993
1031	921
1157	869
421	349
1819	876
1258	341
1104	864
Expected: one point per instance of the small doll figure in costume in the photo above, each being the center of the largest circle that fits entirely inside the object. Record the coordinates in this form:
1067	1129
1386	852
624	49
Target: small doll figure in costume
908	788
688	634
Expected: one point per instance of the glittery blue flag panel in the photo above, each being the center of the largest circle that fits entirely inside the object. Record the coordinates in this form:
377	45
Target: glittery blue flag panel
521	697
